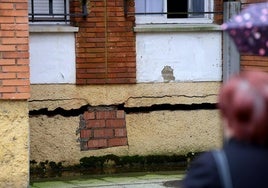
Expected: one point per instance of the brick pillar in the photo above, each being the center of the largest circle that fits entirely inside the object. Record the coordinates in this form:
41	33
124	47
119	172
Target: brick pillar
14	50
105	43
14	92
218	7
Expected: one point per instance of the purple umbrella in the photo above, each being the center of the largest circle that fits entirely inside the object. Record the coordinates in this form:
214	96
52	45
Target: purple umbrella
249	29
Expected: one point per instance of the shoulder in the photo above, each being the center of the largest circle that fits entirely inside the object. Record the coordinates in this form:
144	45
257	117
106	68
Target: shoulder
202	172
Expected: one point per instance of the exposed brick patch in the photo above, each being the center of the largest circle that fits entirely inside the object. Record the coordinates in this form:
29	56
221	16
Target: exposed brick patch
117	142
102	128
96	123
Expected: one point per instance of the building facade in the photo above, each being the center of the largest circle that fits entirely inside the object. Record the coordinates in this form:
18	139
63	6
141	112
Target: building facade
125	77
14	93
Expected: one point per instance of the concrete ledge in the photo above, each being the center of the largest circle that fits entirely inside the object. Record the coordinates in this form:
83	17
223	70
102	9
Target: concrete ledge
52	28
176	28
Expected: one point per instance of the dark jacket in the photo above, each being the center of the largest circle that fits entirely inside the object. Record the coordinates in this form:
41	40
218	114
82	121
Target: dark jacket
248	167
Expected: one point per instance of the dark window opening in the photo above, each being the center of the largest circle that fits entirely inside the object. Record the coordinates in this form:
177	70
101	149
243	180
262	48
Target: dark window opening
177	8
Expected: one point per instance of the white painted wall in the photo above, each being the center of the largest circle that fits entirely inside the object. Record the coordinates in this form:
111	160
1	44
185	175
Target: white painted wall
52	58
193	56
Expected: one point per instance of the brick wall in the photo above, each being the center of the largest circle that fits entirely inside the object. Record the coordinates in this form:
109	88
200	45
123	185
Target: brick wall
14	54
252	62
218	7
102	128
105	43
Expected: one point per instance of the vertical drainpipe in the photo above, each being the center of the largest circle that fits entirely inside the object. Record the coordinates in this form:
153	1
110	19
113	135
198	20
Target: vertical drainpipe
106	40
231	56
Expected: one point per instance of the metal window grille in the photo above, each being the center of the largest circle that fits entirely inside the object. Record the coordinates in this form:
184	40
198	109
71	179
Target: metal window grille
52	10
174	8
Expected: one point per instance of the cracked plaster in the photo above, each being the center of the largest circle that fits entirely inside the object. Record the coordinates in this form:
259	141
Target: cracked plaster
136	95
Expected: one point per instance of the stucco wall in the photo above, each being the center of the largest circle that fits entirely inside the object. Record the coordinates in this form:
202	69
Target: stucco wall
192	56
166	131
14	148
54	60
162	132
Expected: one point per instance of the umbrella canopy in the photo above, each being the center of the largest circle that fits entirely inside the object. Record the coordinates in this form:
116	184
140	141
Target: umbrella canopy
249	29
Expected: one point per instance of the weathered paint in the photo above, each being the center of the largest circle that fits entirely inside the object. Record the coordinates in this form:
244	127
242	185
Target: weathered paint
193	56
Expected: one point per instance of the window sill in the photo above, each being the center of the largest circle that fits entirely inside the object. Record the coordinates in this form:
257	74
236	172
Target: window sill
176	28
52	28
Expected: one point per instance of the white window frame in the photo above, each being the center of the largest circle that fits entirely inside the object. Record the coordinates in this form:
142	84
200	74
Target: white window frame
162	18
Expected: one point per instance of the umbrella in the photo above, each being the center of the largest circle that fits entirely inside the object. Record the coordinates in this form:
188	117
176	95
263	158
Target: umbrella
249	29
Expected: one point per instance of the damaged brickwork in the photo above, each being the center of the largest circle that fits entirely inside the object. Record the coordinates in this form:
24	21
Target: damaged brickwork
102	128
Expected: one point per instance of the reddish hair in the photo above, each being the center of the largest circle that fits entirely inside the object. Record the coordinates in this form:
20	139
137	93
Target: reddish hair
243	102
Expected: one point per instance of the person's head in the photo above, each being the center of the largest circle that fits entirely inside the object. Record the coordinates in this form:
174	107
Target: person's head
243	104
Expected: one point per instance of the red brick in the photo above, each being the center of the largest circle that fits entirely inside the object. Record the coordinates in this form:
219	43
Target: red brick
7	48
7	89
24	89
120	132
22	6
109	114
15	95
117	142
13	12
7	75
22	61
6	20
95	81
89	115
15	55
15	68
15	82
120	114
116	123
23	75
95	33
22	20
7	33
85	133
92	75
97	143
121	81
22	47
95	123
103	133
6	6
15	40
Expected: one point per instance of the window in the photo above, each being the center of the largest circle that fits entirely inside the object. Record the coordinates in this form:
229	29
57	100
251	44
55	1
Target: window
173	11
48	10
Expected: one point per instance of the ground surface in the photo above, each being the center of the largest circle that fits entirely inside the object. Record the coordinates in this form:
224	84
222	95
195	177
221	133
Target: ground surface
126	180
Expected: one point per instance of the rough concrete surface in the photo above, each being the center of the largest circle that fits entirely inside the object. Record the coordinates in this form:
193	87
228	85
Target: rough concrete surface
14	148
54	138
163	132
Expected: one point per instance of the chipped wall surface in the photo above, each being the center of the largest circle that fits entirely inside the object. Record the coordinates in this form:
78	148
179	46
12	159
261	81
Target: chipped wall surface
166	131
192	56
136	95
14	148
162	132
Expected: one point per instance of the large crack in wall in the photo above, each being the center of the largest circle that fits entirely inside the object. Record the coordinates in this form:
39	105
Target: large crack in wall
128	110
